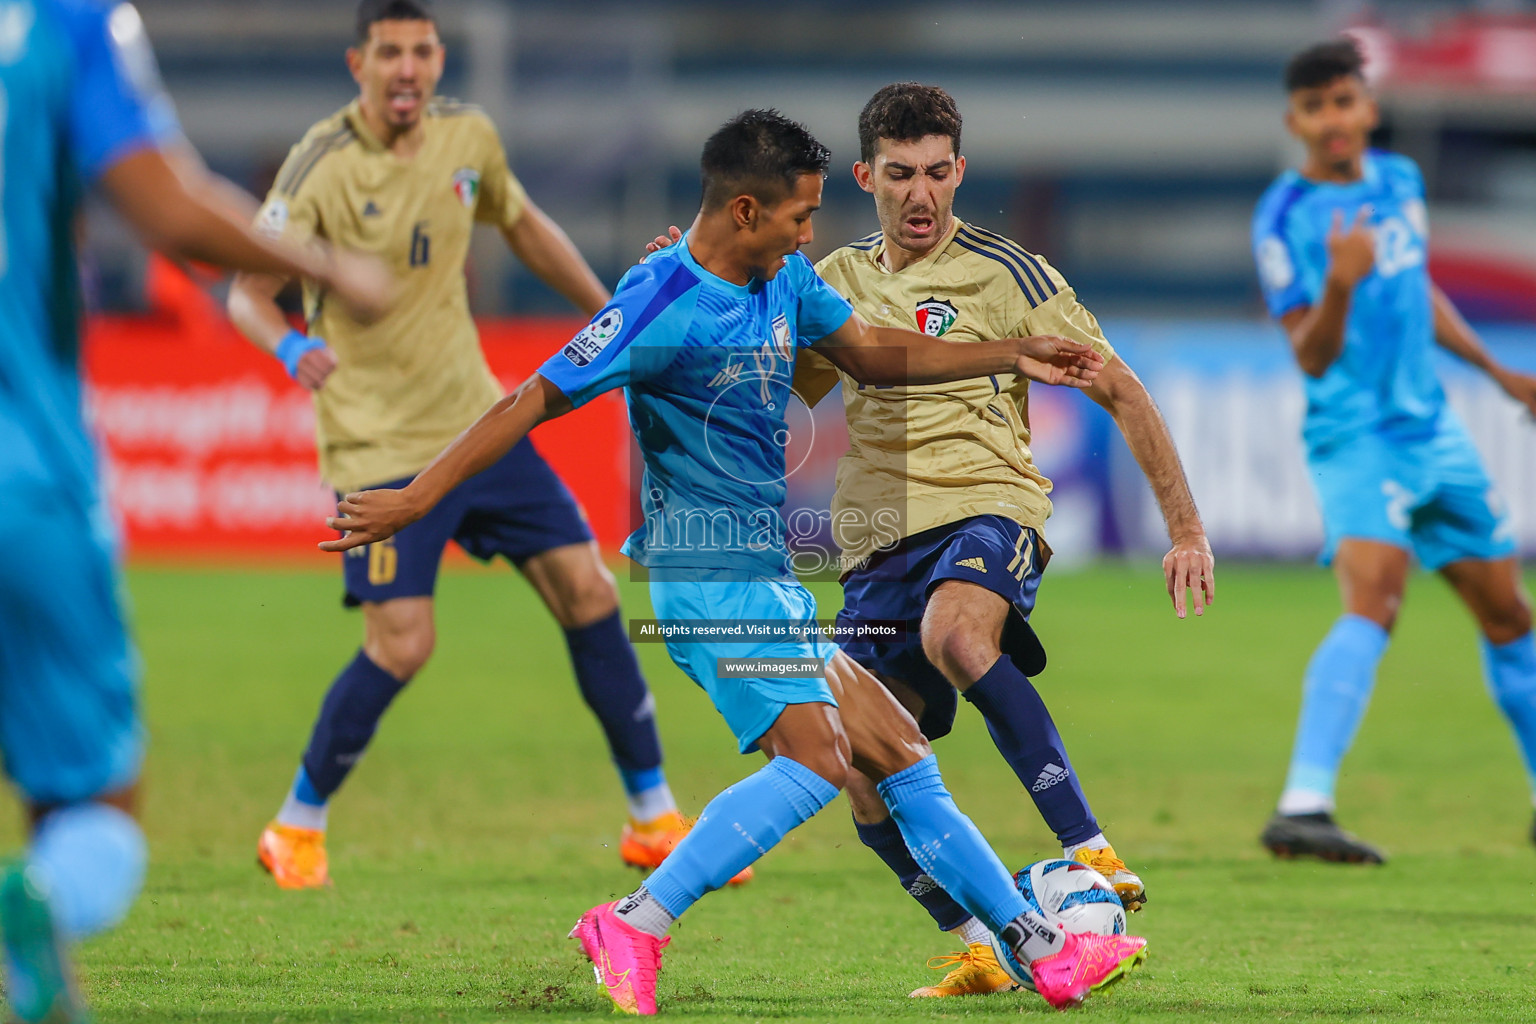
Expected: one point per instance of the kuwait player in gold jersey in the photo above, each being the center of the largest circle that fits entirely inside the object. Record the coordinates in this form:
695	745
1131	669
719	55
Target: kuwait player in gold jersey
406	176
961	561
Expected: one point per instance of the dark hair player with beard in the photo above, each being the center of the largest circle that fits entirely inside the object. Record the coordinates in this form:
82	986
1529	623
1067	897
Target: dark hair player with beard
972	551
1342	251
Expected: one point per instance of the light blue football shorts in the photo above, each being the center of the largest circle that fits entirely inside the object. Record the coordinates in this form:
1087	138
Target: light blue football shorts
1430	496
749	706
69	723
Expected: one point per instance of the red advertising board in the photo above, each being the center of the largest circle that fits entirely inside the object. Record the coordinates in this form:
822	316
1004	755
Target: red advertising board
197	425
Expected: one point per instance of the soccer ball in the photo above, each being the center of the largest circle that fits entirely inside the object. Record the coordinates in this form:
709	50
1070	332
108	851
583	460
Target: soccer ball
1070	894
1074	894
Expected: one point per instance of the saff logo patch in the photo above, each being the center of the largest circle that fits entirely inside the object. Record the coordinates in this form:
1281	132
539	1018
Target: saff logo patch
273	218
466	182
935	316
589	344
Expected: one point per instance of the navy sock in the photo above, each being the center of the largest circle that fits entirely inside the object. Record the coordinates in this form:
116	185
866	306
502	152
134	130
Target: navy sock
611	684
885	839
1027	738
348	717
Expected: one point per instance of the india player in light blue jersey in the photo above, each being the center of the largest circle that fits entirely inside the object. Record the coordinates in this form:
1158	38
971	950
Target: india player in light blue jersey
79	108
703	336
1341	246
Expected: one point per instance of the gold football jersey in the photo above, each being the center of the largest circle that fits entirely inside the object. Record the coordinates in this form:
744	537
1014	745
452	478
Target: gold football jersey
939	453
407	384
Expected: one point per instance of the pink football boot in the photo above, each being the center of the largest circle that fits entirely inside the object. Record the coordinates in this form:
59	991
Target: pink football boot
1084	964
625	960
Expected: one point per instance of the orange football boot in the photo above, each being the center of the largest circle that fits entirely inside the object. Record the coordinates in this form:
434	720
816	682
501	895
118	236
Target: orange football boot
294	857
645	845
974	972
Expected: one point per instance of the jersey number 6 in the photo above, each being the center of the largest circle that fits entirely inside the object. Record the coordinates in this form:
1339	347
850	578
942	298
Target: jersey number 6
421	245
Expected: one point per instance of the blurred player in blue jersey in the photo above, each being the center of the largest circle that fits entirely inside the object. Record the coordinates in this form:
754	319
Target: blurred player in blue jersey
1341	249
79	109
704	337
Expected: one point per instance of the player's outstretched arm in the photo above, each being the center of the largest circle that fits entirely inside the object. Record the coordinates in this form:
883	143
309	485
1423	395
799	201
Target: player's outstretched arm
1189	568
369	516
554	259
1454	334
1317	332
889	355
179	216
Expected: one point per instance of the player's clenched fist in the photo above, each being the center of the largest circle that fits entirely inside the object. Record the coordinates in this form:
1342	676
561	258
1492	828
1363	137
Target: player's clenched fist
1351	253
1052	360
368	516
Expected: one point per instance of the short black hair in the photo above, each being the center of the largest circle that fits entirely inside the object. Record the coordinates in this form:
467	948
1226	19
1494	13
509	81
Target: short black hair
1323	63
370	11
906	112
760	153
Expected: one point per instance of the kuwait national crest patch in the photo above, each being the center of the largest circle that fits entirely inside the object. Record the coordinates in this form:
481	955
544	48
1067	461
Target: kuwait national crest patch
466	182
935	316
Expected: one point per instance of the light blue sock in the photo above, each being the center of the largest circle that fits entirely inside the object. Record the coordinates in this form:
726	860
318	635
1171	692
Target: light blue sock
946	844
1511	673
736	828
91	857
1335	694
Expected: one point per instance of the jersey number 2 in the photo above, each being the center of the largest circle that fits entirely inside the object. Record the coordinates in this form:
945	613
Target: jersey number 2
421	245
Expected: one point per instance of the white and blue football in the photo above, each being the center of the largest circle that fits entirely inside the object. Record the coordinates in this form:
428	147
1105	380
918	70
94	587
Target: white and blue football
1070	894
1075	895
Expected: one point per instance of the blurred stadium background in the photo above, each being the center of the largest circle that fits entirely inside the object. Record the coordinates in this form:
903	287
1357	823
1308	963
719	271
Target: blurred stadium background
1127	142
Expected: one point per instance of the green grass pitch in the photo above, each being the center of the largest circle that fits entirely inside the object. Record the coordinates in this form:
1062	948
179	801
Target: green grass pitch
485	818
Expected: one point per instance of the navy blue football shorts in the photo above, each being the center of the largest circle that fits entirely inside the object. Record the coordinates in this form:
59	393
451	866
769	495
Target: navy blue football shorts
517	508
990	551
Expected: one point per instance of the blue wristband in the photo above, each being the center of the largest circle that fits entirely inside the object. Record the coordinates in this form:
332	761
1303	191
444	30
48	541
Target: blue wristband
292	348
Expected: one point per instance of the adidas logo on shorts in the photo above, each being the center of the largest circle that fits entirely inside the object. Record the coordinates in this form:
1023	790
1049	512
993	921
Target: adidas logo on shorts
1049	776
973	563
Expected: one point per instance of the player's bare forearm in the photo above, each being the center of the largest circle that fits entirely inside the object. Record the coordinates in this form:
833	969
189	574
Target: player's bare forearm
370	516
1189	568
1125	397
554	259
1455	335
907	357
174	214
891	356
253	309
1317	332
171	211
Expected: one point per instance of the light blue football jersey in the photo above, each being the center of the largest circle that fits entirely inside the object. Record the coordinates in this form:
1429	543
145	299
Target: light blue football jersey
70	109
706	366
1384	379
